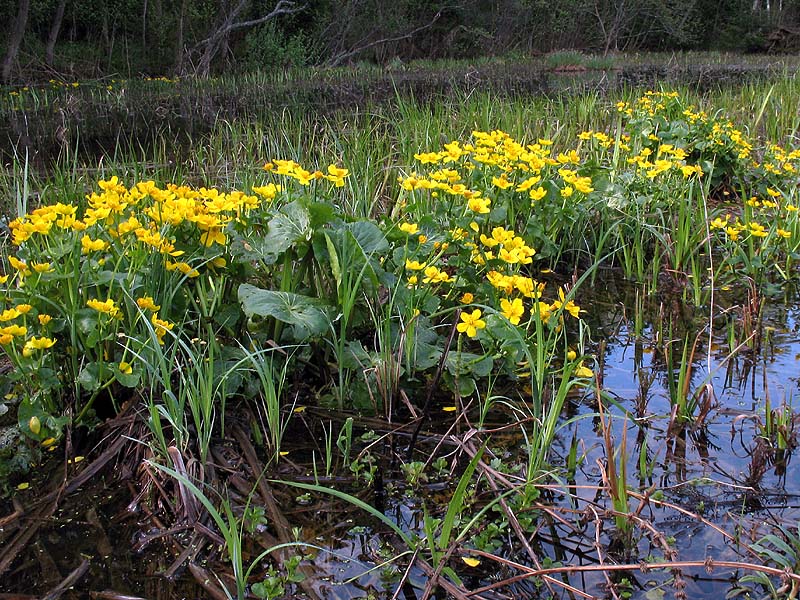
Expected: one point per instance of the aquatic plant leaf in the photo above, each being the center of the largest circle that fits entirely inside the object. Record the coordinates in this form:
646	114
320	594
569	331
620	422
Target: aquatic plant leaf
290	226
93	375
466	363
308	316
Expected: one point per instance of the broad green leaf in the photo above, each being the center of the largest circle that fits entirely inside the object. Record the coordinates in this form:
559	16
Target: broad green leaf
309	317
290	226
466	363
94	375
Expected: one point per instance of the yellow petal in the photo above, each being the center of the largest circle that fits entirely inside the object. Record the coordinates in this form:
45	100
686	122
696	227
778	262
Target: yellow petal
470	561
449	409
23	486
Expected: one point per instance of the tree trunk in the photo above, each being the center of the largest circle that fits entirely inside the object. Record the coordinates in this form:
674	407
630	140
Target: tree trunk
55	28
179	49
15	39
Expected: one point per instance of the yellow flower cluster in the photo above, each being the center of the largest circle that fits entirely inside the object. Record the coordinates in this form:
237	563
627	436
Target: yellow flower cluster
290	168
520	168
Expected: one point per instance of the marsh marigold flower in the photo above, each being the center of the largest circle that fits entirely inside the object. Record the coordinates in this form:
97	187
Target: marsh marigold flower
90	245
161	327
513	310
147	303
37	343
109	307
471	322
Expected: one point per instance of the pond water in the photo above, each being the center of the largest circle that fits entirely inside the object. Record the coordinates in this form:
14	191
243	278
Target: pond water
720	485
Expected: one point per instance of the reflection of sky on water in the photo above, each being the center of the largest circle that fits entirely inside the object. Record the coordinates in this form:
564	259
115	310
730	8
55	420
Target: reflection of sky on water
705	471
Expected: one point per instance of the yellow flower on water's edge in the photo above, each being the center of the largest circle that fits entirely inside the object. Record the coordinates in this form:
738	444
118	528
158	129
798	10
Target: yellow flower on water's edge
583	371
470	323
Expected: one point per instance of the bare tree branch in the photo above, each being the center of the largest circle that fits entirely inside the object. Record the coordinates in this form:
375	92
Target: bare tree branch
283	7
337	60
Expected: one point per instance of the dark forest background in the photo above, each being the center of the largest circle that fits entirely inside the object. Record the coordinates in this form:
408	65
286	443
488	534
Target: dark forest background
92	38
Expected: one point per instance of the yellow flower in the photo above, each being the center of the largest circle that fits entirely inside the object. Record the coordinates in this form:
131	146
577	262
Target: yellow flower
109	307
757	230
90	245
583	371
568	306
183	267
783	233
147	303
213	236
422	238
6	338
513	310
434	275
14	330
42	267
125	368
409	228
479	205
161	327
502	182
24	309
413	265
268	192
44	319
9	314
19	265
467	298
471	322
571	355
719	223
537	194
41	343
